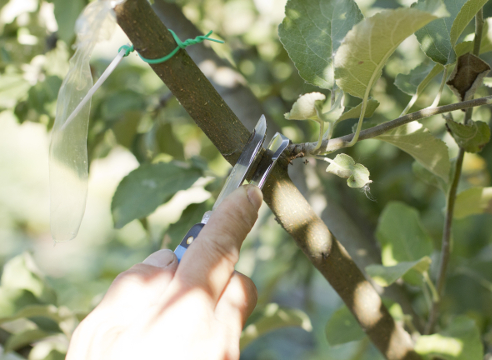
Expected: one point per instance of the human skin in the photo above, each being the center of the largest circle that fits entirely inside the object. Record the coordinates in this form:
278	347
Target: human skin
159	310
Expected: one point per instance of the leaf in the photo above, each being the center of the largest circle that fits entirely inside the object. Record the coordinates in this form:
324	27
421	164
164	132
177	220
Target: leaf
22	273
387	275
147	187
417	79
401	235
434	38
12	88
428	177
269	318
476	200
424	147
354	113
66	14
13	300
305	107
345	167
466	14
467	76
312	31
27	337
485	44
342	327
190	216
367	47
472	137
460	341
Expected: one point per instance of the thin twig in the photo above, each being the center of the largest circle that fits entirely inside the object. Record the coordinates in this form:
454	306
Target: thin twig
451	198
441	87
341	142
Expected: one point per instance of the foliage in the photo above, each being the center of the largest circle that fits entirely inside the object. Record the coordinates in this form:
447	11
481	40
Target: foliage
334	53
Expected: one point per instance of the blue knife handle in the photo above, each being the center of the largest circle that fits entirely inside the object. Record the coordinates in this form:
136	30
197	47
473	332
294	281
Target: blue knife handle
188	239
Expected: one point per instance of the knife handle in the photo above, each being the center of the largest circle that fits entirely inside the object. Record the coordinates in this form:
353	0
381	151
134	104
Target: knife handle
188	239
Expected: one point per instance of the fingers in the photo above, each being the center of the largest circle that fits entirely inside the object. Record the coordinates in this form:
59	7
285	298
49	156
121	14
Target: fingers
237	301
143	283
209	261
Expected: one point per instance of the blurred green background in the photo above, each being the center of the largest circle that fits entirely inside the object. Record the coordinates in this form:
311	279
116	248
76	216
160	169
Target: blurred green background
135	120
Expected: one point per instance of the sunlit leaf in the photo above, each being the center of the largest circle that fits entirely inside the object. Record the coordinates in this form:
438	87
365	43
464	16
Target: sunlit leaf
344	166
387	275
460	341
23	338
305	107
485	44
367	47
467	76
312	31
476	200
269	318
417	79
147	187
22	273
472	137
401	235
354	113
12	88
466	14
428	177
424	147
342	327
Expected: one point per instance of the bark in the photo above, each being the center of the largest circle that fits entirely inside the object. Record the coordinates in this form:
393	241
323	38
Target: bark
210	112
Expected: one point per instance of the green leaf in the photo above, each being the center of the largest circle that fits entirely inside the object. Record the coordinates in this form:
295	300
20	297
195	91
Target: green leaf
476	200
434	38
460	341
66	14
147	187
485	44
428	177
22	273
354	113
312	31
305	107
23	338
424	147
417	80
269	318
472	137
366	48
13	300
12	88
401	235
387	275
191	215
466	14
342	327
345	167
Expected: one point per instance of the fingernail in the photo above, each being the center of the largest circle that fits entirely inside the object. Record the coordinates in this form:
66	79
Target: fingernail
255	196
162	258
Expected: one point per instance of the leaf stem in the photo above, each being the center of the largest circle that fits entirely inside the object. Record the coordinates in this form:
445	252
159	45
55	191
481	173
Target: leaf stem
441	87
410	104
341	142
451	198
430	284
355	138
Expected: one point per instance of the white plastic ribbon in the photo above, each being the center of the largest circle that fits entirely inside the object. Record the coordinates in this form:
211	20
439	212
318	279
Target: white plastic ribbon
68	149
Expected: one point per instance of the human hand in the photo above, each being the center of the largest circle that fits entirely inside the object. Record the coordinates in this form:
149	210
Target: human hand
157	310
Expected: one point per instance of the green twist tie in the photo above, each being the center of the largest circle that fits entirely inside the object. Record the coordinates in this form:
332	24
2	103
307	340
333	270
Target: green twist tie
181	45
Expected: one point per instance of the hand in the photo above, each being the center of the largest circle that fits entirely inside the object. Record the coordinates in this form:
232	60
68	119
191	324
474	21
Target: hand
159	310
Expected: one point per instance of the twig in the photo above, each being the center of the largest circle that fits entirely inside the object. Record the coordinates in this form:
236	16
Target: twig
441	87
451	198
341	142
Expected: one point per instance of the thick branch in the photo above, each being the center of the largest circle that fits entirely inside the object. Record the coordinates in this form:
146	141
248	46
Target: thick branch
151	38
343	141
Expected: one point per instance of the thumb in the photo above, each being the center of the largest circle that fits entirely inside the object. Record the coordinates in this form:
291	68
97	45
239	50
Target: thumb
209	261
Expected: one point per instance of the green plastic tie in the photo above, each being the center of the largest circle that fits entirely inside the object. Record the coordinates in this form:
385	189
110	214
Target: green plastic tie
181	45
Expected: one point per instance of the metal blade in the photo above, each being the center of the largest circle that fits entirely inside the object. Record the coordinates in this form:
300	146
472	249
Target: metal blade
275	148
247	158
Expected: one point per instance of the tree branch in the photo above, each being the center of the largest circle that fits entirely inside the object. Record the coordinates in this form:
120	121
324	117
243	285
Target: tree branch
341	142
151	39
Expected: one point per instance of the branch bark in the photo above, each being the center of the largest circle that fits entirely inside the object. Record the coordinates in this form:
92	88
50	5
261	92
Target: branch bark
152	40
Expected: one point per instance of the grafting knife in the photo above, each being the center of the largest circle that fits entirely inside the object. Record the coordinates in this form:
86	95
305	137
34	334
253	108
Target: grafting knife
239	172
